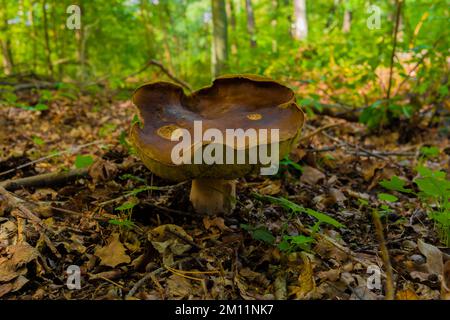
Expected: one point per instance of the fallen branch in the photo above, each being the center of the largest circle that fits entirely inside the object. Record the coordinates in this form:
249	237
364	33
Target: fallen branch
158	64
44	180
69	151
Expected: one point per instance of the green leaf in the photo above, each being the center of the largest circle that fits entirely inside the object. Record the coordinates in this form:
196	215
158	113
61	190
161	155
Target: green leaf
429	152
387	197
40	107
259	233
123	223
433	187
323	218
395	184
82	161
126	206
38	141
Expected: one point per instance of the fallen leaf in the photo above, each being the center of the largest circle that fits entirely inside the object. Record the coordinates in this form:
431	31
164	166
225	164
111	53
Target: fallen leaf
434	264
20	255
306	283
216	222
178	287
166	239
311	175
406	294
112	254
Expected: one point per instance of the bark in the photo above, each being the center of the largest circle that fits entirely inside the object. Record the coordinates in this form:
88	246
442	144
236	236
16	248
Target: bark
48	50
300	31
250	22
346	25
220	37
5	42
231	12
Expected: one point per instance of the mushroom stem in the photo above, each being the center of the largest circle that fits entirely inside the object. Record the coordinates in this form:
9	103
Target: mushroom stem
212	196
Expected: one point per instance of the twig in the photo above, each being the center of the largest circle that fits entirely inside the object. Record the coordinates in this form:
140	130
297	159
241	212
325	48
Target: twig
148	188
318	130
44	180
183	238
56	154
158	64
149	275
353	146
390	291
14	202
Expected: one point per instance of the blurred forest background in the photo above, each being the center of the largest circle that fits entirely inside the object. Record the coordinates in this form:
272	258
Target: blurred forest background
371	75
342	53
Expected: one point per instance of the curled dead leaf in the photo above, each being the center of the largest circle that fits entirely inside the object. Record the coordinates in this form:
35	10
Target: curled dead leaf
113	253
311	175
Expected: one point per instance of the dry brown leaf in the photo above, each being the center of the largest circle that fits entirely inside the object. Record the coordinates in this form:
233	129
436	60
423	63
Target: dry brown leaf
269	187
311	175
435	263
165	240
14	266
178	287
406	294
306	283
216	222
113	253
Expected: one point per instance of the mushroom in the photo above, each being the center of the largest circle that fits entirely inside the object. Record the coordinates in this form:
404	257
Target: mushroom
248	102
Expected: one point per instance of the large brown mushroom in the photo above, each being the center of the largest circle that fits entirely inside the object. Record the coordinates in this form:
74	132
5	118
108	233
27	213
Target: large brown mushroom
232	102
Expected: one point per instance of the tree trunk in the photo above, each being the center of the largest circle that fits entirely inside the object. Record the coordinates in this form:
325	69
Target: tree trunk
346	25
149	34
5	42
300	31
220	37
250	22
47	39
274	23
231	13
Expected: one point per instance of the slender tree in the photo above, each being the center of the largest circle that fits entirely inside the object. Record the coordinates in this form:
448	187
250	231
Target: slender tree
347	23
48	50
220	36
5	41
250	22
300	28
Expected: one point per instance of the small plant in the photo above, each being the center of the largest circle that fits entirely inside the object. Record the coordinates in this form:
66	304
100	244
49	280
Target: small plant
290	243
82	161
434	193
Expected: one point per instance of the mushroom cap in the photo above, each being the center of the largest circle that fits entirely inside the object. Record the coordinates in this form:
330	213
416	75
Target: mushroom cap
231	102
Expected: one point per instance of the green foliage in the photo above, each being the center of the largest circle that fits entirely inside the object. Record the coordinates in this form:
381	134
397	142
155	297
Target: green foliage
38	141
129	205
295	243
125	223
286	162
395	184
259	233
387	197
429	152
434	192
83	161
295	209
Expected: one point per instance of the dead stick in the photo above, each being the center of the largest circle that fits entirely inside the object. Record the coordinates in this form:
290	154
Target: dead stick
44	180
13	201
390	291
69	151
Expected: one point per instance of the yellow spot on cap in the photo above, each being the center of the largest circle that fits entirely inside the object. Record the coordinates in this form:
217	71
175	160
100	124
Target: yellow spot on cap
166	132
254	116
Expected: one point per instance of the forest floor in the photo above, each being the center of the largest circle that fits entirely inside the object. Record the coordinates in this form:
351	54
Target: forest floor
136	242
